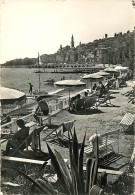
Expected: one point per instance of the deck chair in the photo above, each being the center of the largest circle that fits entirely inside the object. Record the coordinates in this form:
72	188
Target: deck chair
127	121
32	140
60	135
105	142
104	99
80	105
90	102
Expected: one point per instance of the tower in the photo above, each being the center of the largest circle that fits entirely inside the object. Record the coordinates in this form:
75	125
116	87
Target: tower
60	48
72	41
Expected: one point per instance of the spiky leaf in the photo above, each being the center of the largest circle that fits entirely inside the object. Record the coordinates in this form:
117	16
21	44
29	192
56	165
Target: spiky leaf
81	160
47	185
45	189
65	171
91	173
78	183
57	169
88	172
75	149
96	153
41	168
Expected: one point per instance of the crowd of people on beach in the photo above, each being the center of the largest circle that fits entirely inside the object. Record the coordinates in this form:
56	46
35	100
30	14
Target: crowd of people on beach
79	103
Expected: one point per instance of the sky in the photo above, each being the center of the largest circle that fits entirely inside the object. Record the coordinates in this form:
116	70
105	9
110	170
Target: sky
31	26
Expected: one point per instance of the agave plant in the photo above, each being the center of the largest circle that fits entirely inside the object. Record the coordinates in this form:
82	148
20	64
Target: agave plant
71	177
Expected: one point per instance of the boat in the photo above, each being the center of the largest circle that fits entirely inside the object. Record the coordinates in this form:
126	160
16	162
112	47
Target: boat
49	81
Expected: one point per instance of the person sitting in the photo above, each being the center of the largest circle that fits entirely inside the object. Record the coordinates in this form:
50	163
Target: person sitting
86	100
94	87
42	108
80	104
73	102
101	85
5	119
19	137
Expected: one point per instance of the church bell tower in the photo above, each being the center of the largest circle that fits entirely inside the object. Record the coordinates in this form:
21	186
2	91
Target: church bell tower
72	41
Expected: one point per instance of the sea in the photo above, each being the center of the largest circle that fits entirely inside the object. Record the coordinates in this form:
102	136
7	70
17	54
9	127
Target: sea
19	78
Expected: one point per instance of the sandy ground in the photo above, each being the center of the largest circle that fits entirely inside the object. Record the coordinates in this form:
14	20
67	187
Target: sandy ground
103	120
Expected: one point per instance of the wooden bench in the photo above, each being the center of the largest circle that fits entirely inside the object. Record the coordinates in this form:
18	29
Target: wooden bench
127	121
106	141
26	160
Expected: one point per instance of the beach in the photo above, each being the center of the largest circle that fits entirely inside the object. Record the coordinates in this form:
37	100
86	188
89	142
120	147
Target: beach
105	119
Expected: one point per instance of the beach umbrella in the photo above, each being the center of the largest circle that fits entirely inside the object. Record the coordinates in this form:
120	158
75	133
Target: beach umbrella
11	96
92	78
69	84
120	68
102	73
110	70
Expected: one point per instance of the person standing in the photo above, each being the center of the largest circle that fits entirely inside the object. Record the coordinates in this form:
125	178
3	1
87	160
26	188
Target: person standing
30	90
117	84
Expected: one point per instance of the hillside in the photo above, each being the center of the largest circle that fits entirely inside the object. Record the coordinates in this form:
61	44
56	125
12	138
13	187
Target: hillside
109	50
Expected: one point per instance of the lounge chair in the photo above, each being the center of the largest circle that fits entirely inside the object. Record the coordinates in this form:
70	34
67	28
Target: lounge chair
60	134
105	145
80	105
104	99
90	102
32	140
127	121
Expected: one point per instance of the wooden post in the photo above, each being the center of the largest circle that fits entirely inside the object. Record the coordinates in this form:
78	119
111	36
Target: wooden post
49	119
14	127
50	109
118	140
39	142
27	146
106	142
